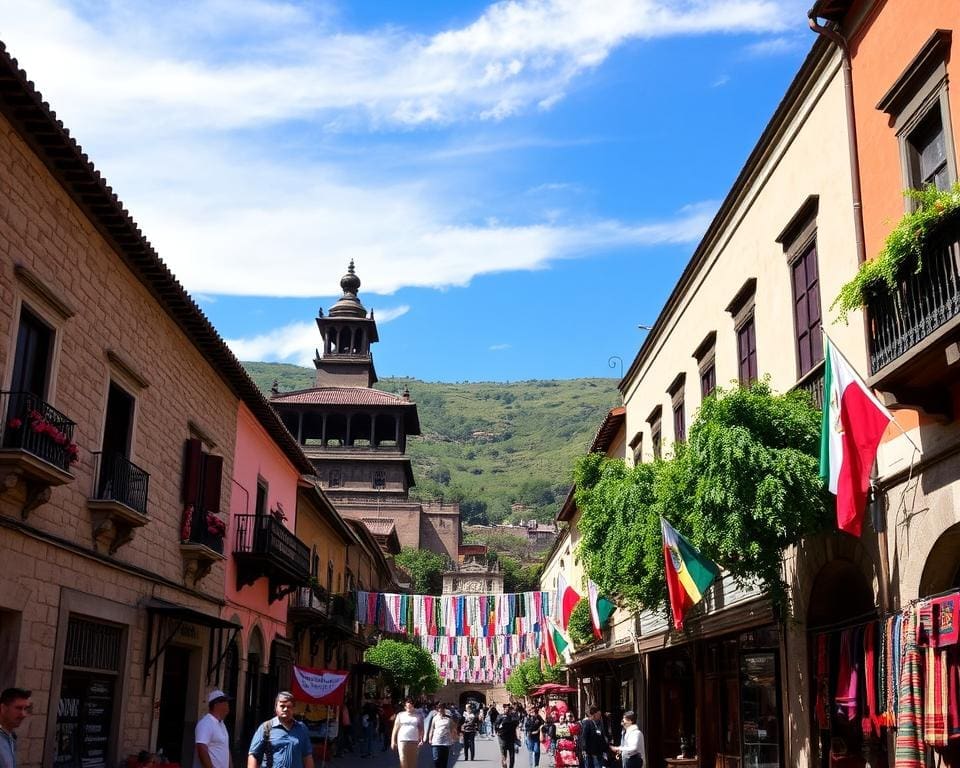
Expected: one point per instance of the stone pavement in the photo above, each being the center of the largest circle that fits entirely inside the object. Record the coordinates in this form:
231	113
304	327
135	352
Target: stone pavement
488	756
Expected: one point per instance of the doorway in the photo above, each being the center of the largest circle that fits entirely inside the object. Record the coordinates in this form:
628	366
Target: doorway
173	703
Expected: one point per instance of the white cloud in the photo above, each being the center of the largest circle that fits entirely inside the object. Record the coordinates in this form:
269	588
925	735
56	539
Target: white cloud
720	81
499	347
218	65
777	46
196	113
294	343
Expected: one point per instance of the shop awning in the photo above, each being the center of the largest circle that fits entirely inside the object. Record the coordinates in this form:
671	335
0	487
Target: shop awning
169	617
187	615
608	652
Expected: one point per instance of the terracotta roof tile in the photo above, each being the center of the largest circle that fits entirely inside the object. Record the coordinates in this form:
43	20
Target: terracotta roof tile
379	526
34	120
341	396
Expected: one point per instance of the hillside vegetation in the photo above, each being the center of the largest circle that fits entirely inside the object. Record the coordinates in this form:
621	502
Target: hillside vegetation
489	444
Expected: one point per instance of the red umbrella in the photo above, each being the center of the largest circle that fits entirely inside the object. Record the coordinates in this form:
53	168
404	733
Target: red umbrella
551	688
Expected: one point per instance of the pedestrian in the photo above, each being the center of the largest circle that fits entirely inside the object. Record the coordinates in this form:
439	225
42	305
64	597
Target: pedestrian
281	742
507	725
493	715
441	735
15	705
368	721
407	735
469	729
532	727
632	747
548	735
593	741
212	741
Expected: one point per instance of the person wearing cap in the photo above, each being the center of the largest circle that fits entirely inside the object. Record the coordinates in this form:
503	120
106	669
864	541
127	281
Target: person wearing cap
211	738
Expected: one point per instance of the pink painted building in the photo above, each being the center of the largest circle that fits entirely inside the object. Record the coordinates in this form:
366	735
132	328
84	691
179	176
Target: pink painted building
265	562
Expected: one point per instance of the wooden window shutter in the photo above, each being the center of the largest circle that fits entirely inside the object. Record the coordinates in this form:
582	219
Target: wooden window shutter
212	477
192	470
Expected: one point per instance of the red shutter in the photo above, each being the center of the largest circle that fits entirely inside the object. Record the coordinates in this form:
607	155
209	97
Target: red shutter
192	470
212	478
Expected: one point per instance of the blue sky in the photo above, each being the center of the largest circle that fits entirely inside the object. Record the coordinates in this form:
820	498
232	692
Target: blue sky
520	183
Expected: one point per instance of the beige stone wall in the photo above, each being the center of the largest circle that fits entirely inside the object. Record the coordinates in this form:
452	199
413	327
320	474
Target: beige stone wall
806	159
42	230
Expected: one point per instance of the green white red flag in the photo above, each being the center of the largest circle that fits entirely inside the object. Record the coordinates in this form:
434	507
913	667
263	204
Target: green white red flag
561	643
853	423
600	608
689	573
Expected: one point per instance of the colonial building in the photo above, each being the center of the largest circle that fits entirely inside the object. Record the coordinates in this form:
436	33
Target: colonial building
733	688
356	436
118	455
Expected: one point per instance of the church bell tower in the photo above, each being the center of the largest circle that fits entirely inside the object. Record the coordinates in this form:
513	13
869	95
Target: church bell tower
347	331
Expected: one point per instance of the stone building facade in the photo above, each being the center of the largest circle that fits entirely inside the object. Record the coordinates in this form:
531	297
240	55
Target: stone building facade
111	595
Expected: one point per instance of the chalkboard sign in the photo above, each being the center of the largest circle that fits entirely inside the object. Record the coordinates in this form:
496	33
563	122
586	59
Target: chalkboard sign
84	720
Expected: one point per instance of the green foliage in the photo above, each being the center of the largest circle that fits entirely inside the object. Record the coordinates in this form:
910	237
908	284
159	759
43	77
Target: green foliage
425	569
903	249
744	486
408	666
518	577
581	624
489	444
527	675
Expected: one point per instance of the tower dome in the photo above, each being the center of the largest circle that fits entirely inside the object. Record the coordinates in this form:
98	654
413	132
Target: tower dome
349	305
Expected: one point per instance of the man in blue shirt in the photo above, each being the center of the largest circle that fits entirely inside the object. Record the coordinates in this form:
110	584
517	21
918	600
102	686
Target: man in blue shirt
14	708
281	742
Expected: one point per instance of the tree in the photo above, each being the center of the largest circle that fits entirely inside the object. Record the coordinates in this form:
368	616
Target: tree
425	569
745	486
527	675
409	667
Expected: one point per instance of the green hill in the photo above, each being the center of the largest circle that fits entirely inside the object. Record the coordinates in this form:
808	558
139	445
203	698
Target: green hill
489	444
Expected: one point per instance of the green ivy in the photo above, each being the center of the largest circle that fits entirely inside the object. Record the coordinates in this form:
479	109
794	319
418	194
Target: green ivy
409	667
581	623
527	675
742	488
425	569
903	249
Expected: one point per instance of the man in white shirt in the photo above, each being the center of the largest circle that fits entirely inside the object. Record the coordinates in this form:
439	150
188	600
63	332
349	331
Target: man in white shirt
632	747
211	737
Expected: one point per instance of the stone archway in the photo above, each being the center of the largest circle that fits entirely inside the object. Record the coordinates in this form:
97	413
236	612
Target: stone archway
941	570
467	696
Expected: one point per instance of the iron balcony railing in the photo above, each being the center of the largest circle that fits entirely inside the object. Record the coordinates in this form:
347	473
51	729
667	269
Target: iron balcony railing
812	382
38	428
265	536
311	599
342	611
119	479
922	302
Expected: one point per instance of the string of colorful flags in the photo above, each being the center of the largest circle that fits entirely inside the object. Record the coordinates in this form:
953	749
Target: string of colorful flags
514	613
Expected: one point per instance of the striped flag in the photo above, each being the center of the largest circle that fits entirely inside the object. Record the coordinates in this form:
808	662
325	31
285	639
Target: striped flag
600	608
853	423
688	572
567	598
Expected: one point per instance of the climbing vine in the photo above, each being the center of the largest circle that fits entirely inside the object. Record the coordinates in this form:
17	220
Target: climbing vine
742	488
581	624
903	248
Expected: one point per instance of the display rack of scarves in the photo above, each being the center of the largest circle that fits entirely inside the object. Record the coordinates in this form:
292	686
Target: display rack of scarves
454	615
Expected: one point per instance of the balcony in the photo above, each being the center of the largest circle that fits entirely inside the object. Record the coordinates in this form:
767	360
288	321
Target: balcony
308	604
203	546
343	613
36	447
913	331
118	501
264	547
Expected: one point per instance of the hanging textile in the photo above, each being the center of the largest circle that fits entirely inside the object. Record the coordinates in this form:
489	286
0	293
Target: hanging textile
847	681
870	723
909	741
935	698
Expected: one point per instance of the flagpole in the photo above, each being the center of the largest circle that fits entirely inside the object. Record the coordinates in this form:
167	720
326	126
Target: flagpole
893	419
